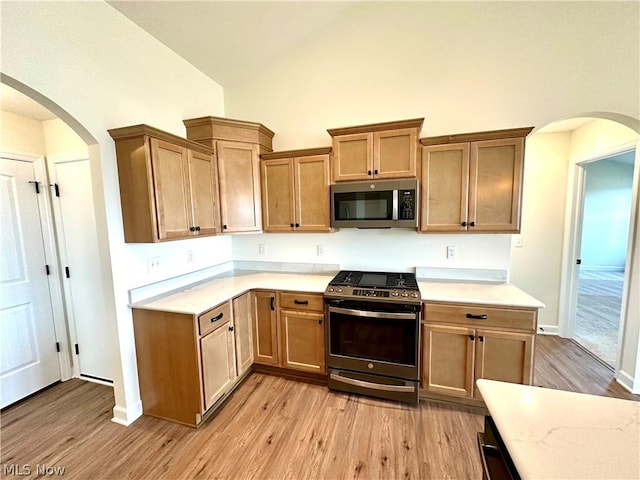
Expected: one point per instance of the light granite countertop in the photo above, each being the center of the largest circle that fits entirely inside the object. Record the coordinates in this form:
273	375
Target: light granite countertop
553	434
202	296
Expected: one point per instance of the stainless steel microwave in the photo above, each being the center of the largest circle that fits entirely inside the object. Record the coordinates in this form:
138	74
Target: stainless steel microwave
375	204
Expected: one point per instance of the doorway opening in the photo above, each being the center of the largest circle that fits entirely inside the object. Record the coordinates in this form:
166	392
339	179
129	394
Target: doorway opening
605	221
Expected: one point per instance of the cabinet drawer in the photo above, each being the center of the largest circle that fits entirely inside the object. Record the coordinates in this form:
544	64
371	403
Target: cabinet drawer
478	316
207	322
302	301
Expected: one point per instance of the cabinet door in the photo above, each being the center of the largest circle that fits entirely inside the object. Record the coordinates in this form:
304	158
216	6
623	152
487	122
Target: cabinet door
277	195
445	187
239	172
394	153
203	179
448	360
352	157
495	188
243	332
171	189
311	180
302	340
218	363
504	356
265	329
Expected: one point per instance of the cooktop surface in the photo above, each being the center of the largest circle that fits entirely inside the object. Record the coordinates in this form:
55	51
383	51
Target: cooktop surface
352	278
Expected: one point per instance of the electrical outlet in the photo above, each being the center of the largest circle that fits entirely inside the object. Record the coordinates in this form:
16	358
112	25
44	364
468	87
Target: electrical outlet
262	249
517	241
451	252
320	250
190	256
153	264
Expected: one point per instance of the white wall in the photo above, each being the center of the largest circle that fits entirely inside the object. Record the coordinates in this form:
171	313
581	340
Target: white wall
21	135
102	71
607	208
61	140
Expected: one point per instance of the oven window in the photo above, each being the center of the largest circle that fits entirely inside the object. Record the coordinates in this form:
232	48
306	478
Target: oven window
363	205
382	339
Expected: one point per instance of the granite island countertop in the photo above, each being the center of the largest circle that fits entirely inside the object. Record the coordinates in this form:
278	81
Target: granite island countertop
200	297
554	434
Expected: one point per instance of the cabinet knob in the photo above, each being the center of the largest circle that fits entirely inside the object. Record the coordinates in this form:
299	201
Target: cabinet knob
231	328
472	224
464	224
224	227
319	322
375	172
471	337
368	172
291	225
192	229
197	228
297	225
481	338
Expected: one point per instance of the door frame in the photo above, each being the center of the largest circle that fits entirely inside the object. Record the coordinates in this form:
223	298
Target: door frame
51	256
573	239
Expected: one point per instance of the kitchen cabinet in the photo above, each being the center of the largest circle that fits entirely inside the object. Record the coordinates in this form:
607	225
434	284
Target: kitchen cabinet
289	330
265	328
243	329
295	191
301	320
462	343
186	363
473	182
377	151
237	145
168	186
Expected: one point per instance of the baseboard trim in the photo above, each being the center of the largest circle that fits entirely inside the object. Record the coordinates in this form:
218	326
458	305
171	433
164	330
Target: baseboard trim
547	330
126	416
626	380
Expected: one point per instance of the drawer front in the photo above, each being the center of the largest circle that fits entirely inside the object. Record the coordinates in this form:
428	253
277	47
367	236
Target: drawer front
478	316
301	301
207	322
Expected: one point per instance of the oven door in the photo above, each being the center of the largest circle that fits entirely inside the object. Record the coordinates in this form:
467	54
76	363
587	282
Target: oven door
374	338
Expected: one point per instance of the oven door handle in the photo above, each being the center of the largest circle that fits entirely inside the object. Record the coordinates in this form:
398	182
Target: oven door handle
367	313
374	386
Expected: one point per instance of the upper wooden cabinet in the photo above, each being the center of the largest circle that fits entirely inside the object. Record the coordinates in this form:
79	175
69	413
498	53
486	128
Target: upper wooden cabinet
381	150
168	185
295	191
237	145
473	182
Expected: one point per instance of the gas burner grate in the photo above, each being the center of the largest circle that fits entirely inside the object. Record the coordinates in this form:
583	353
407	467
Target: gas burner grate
402	280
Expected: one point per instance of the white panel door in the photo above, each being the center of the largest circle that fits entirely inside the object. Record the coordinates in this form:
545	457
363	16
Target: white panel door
29	358
77	237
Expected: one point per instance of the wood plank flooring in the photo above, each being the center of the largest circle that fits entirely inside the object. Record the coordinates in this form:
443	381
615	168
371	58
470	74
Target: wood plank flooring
271	428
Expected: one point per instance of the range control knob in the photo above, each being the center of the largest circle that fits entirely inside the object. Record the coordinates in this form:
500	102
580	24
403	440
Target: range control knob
339	289
405	293
330	289
414	294
394	293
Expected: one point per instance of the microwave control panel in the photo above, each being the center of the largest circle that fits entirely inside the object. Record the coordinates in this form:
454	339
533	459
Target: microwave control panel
407	204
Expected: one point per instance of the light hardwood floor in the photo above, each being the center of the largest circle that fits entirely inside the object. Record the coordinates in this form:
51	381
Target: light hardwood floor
272	428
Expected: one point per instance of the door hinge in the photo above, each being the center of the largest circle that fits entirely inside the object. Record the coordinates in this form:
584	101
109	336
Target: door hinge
47	269
77	349
58	347
56	189
67	272
36	184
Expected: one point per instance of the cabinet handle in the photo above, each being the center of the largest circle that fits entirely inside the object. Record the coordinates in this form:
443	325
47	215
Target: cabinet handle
471	337
217	317
192	229
231	328
472	224
301	302
224	227
319	322
271	303
464	224
477	317
375	172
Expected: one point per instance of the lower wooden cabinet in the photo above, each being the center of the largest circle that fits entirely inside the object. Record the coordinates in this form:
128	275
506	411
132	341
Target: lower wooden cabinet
458	349
289	330
186	363
243	332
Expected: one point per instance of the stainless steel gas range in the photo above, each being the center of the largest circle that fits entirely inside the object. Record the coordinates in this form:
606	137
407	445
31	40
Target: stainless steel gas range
373	333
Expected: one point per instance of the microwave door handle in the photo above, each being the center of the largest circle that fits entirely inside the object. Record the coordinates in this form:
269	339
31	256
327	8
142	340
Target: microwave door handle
394	212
